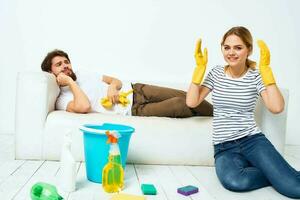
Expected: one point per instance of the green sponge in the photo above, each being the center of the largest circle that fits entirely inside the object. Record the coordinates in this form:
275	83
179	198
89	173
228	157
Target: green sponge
148	189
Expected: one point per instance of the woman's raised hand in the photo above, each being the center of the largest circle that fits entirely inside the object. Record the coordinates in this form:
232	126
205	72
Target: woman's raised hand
264	64
201	62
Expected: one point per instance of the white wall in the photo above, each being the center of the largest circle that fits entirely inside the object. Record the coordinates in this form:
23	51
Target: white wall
143	40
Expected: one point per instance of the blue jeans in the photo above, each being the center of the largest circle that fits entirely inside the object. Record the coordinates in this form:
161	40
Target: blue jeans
252	162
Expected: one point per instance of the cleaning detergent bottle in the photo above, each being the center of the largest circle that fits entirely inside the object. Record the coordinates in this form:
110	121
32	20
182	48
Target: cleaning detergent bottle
113	173
67	165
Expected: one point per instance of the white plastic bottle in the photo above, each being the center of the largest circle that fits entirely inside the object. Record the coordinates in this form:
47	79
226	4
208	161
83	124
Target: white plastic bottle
67	165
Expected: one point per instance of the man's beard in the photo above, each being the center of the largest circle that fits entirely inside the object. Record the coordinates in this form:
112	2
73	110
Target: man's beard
73	75
70	73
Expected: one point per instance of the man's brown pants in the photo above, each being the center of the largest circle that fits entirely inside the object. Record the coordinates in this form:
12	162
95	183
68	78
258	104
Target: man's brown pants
149	100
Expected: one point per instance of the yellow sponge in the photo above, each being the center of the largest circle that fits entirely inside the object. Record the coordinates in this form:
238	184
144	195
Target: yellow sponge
127	197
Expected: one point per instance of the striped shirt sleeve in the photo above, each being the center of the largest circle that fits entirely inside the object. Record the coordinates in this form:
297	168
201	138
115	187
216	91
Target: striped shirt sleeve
209	81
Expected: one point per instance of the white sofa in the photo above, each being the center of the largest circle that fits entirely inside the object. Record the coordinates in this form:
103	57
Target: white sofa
39	129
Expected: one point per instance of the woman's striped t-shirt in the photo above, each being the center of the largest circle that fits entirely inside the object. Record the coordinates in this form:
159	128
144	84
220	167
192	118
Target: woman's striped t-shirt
234	101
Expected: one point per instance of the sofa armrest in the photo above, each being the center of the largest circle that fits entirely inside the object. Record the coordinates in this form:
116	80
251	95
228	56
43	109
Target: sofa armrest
36	94
273	125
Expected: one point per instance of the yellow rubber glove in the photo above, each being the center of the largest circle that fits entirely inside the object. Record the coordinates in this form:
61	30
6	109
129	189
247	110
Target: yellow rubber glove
122	100
201	61
264	64
106	103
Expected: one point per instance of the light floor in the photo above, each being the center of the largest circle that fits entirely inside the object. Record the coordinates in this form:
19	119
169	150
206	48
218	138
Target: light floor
17	177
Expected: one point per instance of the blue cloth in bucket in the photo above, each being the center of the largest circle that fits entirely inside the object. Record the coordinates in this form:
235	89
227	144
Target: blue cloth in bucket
96	148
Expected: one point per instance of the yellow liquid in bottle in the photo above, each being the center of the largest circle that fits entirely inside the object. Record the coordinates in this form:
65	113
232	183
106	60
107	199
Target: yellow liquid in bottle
113	174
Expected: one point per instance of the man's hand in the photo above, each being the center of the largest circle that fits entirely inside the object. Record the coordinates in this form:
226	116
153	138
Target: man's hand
63	80
113	94
264	64
201	62
121	100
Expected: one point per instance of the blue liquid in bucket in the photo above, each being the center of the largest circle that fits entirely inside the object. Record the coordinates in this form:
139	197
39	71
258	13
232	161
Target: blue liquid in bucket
96	149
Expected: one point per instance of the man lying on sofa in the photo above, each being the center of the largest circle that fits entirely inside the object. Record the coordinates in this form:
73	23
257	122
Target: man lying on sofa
91	92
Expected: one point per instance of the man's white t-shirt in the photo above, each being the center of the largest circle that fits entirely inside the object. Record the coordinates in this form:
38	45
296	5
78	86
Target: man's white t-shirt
92	85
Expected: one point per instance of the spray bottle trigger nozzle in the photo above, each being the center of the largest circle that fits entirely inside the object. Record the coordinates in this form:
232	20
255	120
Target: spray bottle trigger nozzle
113	136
